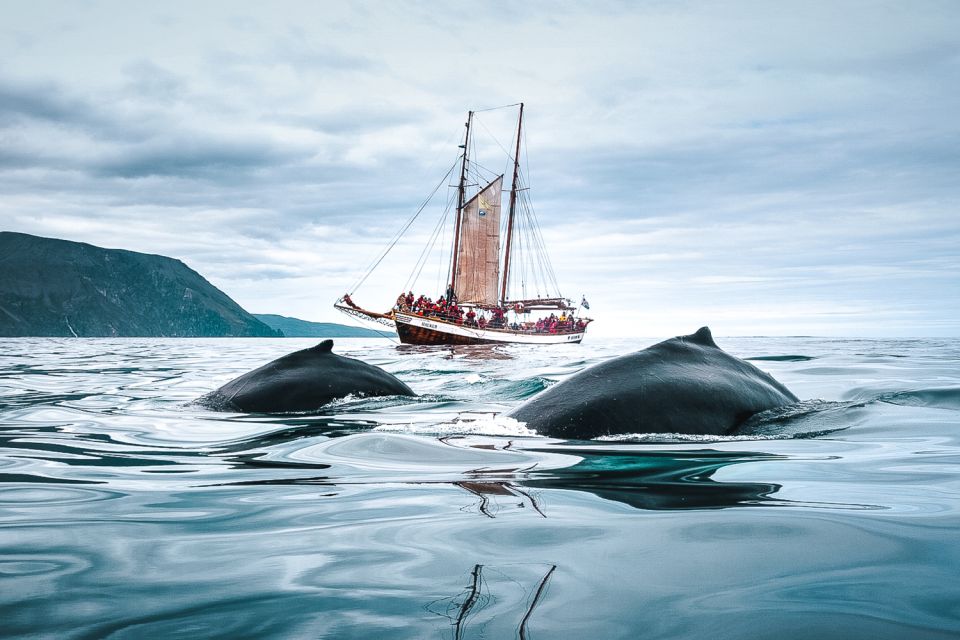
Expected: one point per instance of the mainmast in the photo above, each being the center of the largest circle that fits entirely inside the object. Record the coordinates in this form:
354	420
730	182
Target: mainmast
461	198
513	208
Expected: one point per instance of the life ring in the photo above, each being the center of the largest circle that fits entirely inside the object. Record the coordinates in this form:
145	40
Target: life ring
518	307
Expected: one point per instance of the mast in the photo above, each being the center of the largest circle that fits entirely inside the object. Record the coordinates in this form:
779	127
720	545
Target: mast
460	201
513	208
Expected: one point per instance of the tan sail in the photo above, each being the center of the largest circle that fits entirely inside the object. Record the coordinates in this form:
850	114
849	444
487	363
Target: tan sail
478	259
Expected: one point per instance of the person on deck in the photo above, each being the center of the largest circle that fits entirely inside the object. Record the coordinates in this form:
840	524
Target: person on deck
496	319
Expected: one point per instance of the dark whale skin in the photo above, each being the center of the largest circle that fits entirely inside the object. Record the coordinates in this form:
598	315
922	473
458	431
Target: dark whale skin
684	385
303	381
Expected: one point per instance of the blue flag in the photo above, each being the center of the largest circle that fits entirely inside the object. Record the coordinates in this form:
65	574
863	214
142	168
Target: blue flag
584	303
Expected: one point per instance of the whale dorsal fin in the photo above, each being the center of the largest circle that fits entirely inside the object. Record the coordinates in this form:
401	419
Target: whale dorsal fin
324	347
702	336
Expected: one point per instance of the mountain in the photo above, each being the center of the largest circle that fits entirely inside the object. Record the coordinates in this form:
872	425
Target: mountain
296	328
51	287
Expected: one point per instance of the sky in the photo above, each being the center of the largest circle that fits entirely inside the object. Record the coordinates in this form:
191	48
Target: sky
764	168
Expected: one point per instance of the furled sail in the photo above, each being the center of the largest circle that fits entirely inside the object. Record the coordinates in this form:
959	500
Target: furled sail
478	256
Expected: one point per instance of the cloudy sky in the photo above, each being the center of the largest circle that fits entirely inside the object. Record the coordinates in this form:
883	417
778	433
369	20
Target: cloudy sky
774	168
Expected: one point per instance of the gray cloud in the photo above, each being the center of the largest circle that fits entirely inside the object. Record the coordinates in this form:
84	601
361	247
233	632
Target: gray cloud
787	168
223	160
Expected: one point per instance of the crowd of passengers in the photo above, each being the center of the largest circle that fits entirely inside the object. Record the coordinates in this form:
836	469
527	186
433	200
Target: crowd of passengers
450	311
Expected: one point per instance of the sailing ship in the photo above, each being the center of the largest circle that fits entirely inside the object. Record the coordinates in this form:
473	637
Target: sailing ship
487	299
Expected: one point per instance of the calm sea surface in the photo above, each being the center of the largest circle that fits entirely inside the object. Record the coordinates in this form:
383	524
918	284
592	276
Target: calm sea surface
127	512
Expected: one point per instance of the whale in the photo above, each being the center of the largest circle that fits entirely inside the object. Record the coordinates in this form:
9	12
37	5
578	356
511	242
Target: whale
684	385
303	381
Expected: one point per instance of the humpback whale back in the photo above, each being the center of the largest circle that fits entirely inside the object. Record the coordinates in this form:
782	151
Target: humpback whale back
684	385
304	380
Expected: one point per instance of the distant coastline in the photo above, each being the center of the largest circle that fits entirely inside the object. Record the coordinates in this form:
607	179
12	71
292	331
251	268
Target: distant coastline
59	288
296	328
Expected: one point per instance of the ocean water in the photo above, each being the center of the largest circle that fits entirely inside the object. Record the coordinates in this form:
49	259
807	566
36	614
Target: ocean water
128	512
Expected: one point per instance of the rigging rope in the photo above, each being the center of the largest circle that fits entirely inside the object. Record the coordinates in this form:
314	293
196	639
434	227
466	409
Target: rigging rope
503	106
494	138
532	265
361	325
427	250
399	234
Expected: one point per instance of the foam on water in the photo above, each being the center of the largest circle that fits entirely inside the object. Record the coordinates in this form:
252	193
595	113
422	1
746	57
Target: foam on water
668	438
487	424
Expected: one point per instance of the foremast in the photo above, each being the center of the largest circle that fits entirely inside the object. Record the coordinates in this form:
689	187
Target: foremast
513	210
461	200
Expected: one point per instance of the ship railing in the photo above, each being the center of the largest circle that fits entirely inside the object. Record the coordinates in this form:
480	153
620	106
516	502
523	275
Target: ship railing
506	329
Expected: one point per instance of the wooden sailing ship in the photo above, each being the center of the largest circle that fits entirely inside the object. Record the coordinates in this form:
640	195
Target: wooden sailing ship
476	306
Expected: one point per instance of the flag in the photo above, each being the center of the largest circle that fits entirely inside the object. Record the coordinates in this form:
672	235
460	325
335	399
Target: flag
584	303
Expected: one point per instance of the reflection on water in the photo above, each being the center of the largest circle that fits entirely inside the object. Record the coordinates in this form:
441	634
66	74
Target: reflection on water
468	351
488	492
660	479
495	599
128	512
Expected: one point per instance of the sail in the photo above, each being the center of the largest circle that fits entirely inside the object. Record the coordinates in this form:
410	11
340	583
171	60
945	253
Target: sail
478	256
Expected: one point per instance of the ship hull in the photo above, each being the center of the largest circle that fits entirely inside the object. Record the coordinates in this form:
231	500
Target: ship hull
430	331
